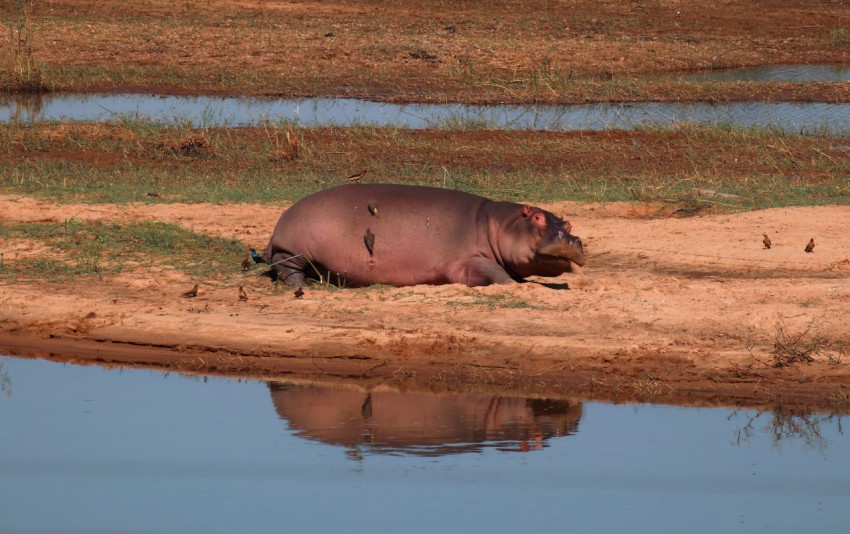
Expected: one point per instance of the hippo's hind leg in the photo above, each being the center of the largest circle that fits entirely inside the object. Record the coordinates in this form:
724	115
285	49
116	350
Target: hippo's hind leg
290	268
479	272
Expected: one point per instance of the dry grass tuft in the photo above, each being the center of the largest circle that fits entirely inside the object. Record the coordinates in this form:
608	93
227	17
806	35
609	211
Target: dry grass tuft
192	145
287	147
27	73
650	386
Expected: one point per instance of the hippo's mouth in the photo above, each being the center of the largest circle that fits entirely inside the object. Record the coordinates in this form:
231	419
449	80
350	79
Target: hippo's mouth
562	251
553	265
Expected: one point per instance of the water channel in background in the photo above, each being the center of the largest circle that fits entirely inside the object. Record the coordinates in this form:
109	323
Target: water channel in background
87	449
775	73
230	111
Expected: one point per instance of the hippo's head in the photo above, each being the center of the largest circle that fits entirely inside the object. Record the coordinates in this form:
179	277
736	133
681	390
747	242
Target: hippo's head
538	243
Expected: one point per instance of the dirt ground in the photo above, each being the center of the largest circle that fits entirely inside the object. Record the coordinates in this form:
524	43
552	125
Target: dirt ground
484	51
666	309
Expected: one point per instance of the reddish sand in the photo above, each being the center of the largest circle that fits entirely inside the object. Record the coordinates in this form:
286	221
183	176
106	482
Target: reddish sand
667	309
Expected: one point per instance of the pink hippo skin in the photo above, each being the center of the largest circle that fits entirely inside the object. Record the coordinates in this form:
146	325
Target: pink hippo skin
417	235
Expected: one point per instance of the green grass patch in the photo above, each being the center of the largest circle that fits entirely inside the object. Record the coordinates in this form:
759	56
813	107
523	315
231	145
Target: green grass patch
95	247
68	182
690	168
65	182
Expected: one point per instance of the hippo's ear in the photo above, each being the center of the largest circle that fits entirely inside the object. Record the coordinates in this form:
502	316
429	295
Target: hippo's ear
526	210
539	220
567	226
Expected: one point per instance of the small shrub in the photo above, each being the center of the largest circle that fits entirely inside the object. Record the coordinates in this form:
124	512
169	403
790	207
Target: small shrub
27	74
790	348
840	37
286	144
192	145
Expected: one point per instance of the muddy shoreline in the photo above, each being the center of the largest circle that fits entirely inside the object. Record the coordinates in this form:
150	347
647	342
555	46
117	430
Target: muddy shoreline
766	389
653	316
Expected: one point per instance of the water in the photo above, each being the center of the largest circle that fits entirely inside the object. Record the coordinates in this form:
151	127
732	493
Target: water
224	111
84	449
779	73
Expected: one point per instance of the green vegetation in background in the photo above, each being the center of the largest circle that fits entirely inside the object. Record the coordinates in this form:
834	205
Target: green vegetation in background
136	160
80	248
68	182
690	192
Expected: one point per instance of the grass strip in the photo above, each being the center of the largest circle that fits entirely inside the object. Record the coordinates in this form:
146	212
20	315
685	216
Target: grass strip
91	248
689	168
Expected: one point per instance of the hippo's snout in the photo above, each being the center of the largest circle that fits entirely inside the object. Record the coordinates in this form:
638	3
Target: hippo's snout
564	246
576	250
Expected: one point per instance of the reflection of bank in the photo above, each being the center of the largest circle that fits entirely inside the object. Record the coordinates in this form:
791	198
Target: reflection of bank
5	381
427	424
25	107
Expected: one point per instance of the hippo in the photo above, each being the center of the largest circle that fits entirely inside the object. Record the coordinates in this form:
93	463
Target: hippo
421	423
362	234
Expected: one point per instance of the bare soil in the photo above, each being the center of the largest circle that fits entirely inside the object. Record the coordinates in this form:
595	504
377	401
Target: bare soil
667	309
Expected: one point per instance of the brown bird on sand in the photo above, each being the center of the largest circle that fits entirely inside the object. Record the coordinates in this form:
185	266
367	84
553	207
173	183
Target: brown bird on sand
373	208
246	264
242	295
811	246
766	241
191	293
299	293
357	176
369	239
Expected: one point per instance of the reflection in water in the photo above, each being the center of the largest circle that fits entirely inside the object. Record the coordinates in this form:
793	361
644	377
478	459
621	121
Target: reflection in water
88	449
777	73
423	424
783	427
218	111
21	108
5	381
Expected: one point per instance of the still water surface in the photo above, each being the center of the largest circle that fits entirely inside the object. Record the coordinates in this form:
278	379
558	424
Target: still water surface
227	111
776	73
84	449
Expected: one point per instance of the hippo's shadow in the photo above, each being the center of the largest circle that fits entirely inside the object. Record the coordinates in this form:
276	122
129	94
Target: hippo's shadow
271	274
550	285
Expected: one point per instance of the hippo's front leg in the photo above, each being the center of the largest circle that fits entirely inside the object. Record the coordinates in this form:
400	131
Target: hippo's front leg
478	271
289	269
